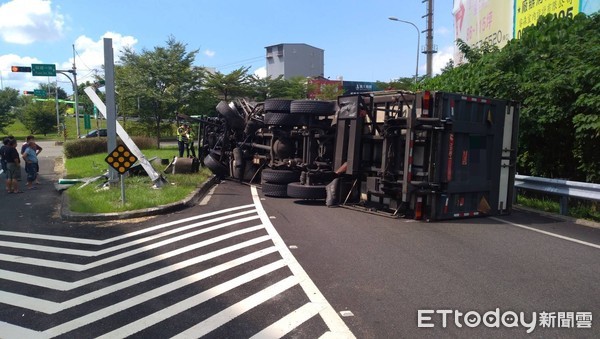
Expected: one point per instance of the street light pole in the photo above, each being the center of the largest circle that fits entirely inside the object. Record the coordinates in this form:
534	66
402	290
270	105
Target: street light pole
418	43
74	84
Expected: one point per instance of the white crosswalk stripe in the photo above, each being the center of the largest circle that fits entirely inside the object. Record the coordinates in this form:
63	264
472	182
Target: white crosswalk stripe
233	255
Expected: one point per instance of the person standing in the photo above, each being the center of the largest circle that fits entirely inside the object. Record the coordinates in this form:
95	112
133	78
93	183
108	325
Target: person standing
191	151
18	170
3	156
5	142
38	150
13	164
182	138
31	164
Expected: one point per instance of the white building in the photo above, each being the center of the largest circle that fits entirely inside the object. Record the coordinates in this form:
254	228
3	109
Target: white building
293	60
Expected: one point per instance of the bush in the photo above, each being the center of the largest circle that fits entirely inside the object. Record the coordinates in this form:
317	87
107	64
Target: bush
88	146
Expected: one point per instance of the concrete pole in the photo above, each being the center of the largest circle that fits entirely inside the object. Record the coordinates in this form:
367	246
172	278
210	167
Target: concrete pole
111	107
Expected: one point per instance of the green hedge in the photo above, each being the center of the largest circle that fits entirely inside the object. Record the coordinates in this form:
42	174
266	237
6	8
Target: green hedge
88	146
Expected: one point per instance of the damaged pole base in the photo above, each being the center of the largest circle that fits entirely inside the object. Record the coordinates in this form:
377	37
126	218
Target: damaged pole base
160	182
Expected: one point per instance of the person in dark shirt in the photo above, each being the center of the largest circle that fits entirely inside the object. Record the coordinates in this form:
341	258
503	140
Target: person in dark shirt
2	156
13	164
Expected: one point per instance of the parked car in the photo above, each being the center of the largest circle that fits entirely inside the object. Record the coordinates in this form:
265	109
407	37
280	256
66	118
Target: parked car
95	133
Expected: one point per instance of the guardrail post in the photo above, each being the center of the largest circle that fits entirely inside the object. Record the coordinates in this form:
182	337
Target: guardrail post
564	205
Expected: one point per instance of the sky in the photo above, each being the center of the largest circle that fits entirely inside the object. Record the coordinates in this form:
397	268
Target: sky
359	41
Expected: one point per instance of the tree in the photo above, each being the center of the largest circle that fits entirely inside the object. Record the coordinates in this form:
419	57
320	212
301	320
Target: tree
228	86
51	89
8	100
554	72
407	84
39	117
157	83
296	88
330	92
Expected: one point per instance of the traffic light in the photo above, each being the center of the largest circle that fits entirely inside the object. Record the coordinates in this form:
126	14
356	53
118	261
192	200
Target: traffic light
28	92
20	69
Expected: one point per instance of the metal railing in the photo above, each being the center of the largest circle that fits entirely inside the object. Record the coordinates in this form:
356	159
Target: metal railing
563	188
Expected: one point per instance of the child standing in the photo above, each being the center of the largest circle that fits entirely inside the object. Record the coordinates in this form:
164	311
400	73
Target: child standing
31	164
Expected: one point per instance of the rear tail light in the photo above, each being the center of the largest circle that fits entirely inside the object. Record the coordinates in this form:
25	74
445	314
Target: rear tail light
426	103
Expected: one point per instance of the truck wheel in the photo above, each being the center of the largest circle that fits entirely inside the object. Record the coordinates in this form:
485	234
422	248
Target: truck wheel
274	190
314	107
279	176
297	190
215	166
284	119
277	105
234	119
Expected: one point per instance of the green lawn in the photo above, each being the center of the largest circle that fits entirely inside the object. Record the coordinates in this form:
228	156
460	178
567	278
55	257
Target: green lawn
138	189
20	132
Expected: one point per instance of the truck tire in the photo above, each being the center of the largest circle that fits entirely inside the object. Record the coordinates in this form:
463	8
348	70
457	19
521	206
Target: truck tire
314	107
234	119
279	176
277	105
297	190
284	119
215	166
238	164
274	190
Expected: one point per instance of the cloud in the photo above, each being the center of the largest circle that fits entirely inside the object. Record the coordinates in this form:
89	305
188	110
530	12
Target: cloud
90	59
209	53
20	81
90	54
27	21
443	31
261	72
441	58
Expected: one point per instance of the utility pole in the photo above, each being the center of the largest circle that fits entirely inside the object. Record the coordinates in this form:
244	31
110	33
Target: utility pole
75	92
430	48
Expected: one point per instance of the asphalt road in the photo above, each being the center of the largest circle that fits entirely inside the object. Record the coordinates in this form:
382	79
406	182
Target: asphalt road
238	264
385	270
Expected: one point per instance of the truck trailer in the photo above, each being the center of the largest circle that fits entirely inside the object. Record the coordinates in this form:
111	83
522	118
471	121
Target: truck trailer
426	155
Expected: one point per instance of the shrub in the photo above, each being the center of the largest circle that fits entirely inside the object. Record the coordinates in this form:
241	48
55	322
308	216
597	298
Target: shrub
87	146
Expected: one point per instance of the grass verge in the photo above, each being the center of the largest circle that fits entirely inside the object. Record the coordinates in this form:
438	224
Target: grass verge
138	189
577	208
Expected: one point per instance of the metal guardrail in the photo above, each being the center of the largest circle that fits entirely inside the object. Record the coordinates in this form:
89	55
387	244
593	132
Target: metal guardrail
563	188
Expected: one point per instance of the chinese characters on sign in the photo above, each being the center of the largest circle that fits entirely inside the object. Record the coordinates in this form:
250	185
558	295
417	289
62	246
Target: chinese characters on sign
528	11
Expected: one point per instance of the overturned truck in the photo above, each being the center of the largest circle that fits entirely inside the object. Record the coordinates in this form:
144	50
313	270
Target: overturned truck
426	155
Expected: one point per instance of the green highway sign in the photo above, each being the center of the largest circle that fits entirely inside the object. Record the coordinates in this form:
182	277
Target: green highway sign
43	70
39	93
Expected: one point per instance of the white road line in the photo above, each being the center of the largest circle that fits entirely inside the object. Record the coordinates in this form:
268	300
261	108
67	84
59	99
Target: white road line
124	236
237	309
86	253
50	307
131	302
547	233
13	331
329	315
188	303
206	198
288	323
66	286
82	267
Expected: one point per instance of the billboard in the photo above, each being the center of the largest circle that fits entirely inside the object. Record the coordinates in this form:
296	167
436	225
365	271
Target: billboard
496	22
528	12
478	21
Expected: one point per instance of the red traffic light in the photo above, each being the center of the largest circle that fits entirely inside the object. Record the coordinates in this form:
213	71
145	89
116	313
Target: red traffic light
28	92
20	69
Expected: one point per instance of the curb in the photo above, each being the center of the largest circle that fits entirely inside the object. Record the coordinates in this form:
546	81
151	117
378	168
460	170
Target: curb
189	201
